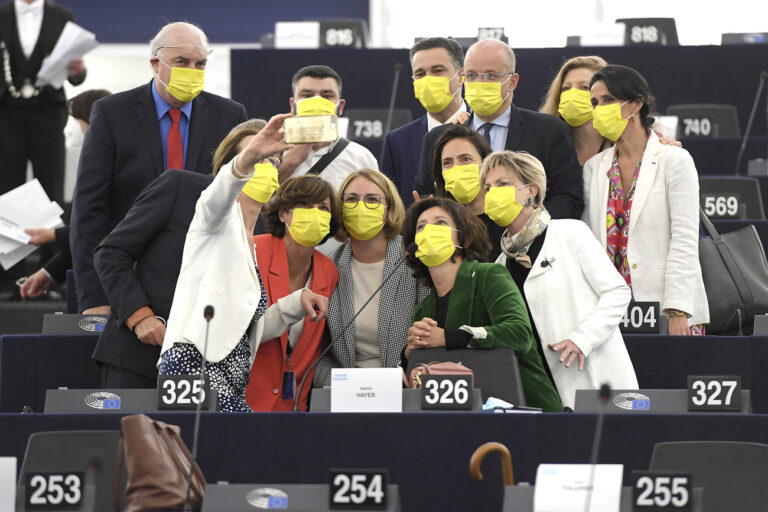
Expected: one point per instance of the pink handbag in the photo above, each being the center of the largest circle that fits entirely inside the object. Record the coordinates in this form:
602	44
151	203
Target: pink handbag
436	368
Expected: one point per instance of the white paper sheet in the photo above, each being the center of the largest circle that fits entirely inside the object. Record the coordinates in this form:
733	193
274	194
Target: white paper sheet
24	207
7	484
73	43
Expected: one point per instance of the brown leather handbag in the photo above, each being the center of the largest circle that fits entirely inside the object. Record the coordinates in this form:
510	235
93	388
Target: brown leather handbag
436	368
157	462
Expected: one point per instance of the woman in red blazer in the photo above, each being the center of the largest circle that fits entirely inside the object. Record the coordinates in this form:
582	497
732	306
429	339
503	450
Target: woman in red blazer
303	213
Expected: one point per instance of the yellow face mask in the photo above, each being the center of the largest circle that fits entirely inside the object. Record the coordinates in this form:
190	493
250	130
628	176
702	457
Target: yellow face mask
463	182
309	226
501	205
263	183
363	223
484	97
315	106
434	92
185	83
575	106
607	120
435	244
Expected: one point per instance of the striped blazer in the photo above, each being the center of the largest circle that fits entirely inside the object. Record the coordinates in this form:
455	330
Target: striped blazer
398	297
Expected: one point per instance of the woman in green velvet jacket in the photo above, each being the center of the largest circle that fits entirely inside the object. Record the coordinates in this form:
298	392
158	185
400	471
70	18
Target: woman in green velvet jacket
471	304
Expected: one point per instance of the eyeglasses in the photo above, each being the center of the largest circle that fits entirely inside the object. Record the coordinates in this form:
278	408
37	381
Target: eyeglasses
274	160
486	77
185	48
371	201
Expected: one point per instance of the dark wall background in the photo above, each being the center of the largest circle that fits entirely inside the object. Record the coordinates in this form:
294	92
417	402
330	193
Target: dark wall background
227	21
688	74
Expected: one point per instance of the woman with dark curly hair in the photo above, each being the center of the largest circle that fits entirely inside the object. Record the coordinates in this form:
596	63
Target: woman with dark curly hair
289	261
471	304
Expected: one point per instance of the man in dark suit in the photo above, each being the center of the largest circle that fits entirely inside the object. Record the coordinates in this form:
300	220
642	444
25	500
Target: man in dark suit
138	264
32	119
490	79
135	135
431	57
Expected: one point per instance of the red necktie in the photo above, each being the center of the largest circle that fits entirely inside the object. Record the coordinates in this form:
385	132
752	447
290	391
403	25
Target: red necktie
175	144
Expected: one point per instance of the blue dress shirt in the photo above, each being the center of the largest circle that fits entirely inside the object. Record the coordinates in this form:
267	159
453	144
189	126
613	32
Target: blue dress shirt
162	108
498	130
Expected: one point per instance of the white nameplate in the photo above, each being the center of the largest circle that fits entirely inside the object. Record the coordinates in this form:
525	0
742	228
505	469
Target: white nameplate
297	34
366	390
7	483
564	488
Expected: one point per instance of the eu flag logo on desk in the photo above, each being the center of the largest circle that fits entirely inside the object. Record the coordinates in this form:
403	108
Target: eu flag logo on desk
277	502
641	405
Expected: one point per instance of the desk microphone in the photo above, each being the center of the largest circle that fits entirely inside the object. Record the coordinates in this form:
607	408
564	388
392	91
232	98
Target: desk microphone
393	94
763	78
410	250
604	394
92	473
208	315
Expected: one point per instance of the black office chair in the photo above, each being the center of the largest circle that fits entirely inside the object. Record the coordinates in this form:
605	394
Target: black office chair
91	452
650	31
706	120
720	195
733	474
496	370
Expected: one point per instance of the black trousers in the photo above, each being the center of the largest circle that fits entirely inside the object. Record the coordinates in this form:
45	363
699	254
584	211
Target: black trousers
33	133
114	377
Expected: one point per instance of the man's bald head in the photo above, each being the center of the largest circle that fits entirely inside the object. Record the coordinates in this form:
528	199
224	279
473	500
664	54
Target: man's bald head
176	33
490	48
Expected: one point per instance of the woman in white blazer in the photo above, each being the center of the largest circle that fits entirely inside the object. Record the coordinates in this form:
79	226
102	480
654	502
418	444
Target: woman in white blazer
575	297
642	202
219	269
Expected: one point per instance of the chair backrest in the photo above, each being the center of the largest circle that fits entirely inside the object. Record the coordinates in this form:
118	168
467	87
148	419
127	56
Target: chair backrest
733	474
650	31
706	120
496	370
91	452
731	197
370	123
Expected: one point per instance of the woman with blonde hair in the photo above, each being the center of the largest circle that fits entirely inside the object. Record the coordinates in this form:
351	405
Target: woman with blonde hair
574	296
568	98
373	214
219	274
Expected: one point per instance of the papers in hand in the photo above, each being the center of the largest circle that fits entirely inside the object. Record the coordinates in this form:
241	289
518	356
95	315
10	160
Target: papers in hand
73	43
25	207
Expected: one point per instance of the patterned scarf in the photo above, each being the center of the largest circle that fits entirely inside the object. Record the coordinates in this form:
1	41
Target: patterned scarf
516	246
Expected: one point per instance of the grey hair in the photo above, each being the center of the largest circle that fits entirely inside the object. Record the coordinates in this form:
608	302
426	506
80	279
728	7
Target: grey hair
158	41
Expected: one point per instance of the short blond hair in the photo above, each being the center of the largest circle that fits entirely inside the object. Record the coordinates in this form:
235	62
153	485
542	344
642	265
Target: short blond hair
552	100
525	166
395	208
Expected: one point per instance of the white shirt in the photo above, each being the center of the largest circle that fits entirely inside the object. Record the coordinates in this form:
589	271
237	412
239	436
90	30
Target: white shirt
29	19
353	158
366	277
434	123
498	130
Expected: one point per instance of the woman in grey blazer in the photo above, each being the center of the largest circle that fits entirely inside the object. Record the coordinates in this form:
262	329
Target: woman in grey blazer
373	215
